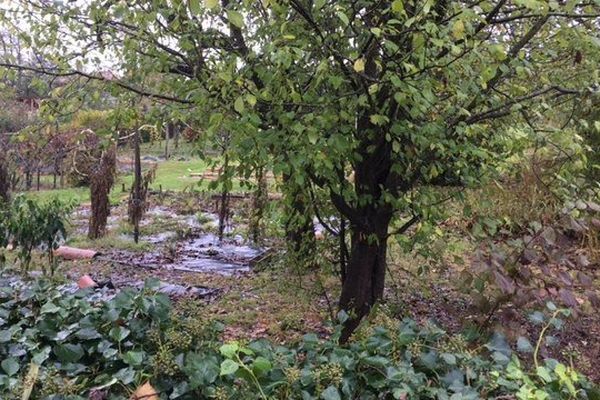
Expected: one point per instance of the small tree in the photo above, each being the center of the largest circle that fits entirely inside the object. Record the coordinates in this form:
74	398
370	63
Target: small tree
31	225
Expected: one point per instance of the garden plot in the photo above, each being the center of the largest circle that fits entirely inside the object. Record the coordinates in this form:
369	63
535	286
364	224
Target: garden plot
177	242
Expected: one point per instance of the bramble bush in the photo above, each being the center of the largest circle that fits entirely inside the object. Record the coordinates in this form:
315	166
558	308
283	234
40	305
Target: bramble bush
55	345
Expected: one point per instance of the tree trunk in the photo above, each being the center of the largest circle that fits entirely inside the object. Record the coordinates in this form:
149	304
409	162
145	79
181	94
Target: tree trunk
299	226
176	132
224	203
4	181
259	203
167	134
28	179
137	190
365	272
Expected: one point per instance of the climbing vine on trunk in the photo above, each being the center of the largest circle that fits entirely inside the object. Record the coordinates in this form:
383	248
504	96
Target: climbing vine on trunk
102	178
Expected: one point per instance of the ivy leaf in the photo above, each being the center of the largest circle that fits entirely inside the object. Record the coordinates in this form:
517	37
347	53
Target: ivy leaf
119	333
331	393
235	18
69	353
201	371
229	367
523	345
10	366
359	65
134	357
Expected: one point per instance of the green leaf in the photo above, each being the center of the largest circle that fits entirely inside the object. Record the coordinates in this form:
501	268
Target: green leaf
201	370
544	373
10	366
331	393
359	65
195	6
69	353
211	4
235	18
449	358
497	51
134	357
251	99
119	333
379	120
238	105
230	349
398	7
229	367
523	345
313	136
458	29
343	17
261	365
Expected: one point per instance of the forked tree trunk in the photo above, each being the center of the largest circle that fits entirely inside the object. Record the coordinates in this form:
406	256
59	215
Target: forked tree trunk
365	272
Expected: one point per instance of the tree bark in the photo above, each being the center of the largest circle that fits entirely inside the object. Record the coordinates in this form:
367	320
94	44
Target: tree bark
365	271
299	226
137	189
259	203
4	180
224	202
167	134
101	181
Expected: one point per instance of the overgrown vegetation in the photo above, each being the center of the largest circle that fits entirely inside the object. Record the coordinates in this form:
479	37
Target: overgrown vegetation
56	344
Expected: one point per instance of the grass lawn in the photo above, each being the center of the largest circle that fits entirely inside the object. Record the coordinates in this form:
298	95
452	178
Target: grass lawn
171	175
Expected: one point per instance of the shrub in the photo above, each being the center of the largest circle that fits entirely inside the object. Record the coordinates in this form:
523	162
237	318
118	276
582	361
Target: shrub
78	347
28	224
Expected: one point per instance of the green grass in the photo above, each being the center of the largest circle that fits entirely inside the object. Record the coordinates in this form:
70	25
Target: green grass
157	149
174	175
171	175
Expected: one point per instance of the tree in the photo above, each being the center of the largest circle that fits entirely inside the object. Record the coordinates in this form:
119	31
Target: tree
404	96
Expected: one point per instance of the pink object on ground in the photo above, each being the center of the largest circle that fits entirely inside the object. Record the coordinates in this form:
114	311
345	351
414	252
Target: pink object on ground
85	282
72	253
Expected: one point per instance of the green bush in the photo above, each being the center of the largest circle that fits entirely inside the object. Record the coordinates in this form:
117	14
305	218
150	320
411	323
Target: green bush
66	346
28	224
